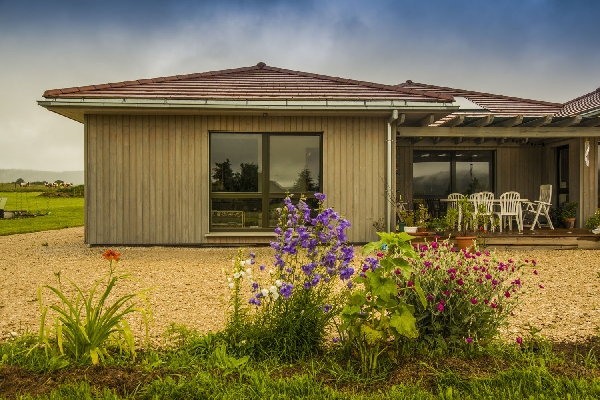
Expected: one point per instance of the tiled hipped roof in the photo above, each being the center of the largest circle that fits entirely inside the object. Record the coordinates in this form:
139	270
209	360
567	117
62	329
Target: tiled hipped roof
495	104
259	82
586	103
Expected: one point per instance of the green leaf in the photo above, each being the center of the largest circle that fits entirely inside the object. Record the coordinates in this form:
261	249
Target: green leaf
404	322
372	247
420	293
403	265
372	336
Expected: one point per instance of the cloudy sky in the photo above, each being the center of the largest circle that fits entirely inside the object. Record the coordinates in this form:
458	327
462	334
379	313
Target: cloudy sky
541	49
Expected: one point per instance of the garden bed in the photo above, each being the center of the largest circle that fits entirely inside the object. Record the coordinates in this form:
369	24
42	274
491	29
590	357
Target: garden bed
190	288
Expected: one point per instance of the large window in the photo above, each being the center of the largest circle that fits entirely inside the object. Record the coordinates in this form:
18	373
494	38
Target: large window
251	172
438	173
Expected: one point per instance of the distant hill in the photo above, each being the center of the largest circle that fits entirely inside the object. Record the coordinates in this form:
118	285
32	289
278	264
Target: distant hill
30	175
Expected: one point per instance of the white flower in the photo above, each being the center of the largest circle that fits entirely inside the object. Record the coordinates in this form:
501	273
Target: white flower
278	283
249	271
236	275
265	292
229	280
242	263
231	286
273	289
270	272
248	261
275	296
243	274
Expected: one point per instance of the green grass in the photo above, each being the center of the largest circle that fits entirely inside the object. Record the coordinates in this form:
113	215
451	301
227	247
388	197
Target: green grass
57	212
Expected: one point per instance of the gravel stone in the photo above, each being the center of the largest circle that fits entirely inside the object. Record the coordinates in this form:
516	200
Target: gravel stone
189	287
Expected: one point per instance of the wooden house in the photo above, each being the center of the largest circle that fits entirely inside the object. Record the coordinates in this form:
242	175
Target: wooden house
207	158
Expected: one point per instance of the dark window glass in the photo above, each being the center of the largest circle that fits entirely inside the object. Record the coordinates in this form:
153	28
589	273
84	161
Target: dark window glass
431	173
250	173
473	171
294	164
236	162
236	213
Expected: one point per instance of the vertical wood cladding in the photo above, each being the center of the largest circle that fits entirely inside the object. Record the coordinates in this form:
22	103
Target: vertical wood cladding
148	176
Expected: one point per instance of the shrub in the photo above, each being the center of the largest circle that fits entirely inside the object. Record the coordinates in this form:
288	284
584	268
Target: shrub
469	296
84	328
295	304
376	315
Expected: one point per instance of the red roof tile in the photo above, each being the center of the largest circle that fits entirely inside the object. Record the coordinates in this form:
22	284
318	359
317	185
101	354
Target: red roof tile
258	82
494	104
582	104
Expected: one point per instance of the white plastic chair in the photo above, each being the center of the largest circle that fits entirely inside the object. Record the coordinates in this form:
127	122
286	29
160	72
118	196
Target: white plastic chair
541	206
483	202
453	199
510	207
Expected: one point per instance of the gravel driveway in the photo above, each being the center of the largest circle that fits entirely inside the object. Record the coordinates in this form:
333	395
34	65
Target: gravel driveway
189	286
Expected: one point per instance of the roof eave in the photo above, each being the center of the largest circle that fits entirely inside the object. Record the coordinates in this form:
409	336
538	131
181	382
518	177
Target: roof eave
76	108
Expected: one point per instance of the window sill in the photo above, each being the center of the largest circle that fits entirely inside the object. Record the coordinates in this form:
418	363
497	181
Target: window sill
240	234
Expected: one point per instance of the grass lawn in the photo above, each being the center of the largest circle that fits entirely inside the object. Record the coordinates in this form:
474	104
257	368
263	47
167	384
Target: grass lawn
56	212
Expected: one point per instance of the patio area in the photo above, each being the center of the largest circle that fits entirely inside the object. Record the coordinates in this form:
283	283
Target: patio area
538	239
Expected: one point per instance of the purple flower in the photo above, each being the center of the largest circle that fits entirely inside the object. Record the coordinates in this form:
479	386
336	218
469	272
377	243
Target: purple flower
346	273
320	196
335	340
327	308
286	290
254	287
350	285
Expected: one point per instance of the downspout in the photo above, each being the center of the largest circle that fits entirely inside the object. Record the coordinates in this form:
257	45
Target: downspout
388	183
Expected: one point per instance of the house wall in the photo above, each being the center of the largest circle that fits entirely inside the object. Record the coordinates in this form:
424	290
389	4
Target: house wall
148	176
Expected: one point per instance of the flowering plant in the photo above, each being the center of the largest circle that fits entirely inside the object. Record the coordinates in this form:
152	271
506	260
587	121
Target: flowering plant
471	295
375	311
297	301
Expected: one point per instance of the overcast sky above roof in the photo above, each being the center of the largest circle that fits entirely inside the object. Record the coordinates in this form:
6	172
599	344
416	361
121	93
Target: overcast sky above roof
539	49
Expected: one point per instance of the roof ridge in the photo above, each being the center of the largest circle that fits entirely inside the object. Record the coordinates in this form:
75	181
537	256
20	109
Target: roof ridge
394	88
260	66
581	97
500	96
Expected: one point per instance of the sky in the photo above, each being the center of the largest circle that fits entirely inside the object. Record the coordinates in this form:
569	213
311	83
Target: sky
540	49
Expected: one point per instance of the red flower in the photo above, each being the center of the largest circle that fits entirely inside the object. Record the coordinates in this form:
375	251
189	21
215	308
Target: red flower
111	255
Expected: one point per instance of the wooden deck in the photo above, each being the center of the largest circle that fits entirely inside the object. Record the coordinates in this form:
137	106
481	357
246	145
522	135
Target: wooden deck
538	239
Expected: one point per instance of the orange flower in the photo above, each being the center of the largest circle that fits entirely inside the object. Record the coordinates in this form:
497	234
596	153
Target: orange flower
111	255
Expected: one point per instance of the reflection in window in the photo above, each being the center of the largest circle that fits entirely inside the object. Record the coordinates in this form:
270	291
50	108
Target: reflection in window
235	162
294	163
431	173
240	187
473	171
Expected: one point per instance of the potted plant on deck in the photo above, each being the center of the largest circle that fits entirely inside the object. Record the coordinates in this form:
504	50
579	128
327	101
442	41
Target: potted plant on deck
568	213
465	235
408	218
421	217
593	222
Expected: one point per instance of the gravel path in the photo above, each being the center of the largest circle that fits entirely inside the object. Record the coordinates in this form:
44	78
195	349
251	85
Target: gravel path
189	286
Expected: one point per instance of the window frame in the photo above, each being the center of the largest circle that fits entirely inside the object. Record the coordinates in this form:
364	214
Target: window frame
265	195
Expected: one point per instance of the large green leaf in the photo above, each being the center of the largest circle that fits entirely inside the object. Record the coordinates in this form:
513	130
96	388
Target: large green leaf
372	247
420	293
404	322
403	265
372	336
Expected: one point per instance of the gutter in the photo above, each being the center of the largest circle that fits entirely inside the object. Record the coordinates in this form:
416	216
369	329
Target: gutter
388	184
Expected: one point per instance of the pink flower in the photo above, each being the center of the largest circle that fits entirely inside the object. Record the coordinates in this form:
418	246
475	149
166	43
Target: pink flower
506	294
380	255
535	272
469	340
541	286
533	262
488	276
440	307
494	305
446	293
519	340
460	282
473	301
